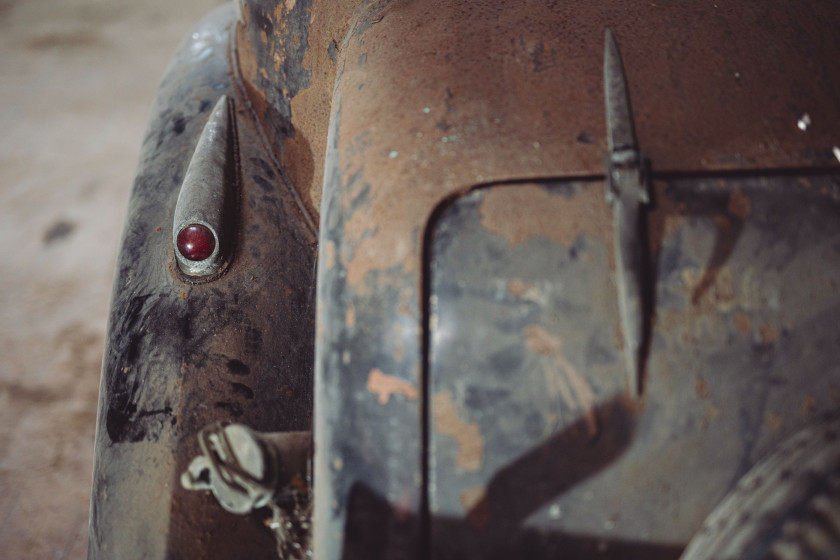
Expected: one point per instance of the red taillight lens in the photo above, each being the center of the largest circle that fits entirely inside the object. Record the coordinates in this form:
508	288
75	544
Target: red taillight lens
196	242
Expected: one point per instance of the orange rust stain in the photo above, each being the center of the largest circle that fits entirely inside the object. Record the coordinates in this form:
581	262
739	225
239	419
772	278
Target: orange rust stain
383	241
722	223
384	385
516	287
303	153
719	295
711	413
562	377
664	219
773	420
467	437
809	403
350	319
278	58
768	333
701	388
742	323
183	295
739	205
523	212
474	501
298	484
329	254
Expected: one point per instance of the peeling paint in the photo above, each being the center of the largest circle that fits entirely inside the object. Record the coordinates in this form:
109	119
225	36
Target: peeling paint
739	205
383	386
807	406
467	436
768	333
561	376
329	254
527	211
476	506
701	388
718	291
742	323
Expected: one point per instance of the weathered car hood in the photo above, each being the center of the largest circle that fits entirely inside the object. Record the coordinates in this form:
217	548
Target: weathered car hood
494	91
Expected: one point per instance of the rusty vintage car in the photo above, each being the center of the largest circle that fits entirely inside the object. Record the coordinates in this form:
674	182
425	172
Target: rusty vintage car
411	279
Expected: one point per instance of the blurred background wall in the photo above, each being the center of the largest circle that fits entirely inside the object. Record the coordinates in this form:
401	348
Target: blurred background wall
77	78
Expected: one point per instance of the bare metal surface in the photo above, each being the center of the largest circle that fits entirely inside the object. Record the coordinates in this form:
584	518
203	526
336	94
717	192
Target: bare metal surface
209	192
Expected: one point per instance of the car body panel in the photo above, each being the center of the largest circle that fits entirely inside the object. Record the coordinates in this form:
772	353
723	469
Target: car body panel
536	448
434	100
377	120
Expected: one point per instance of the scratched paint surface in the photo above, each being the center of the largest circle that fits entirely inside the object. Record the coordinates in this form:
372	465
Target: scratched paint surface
433	98
525	346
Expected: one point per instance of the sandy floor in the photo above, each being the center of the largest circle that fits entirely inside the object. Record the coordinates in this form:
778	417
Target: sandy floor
77	78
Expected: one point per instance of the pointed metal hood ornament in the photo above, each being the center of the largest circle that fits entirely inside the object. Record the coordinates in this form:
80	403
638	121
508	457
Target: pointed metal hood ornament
627	191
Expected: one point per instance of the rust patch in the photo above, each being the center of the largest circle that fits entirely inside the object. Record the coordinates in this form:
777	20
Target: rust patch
742	322
350	319
664	220
807	406
305	151
739	205
475	504
467	437
561	377
526	211
516	287
710	414
383	386
524	290
710	291
701	388
329	254
768	333
722	223
773	421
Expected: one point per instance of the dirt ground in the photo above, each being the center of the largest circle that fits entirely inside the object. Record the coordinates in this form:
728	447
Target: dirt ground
77	78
